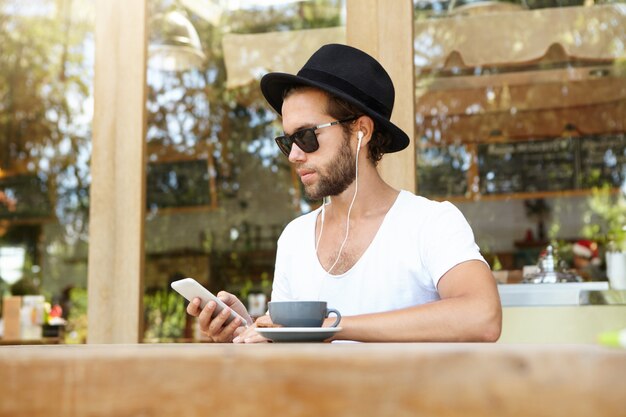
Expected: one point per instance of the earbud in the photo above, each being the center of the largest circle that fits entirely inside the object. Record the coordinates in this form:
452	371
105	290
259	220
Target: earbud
359	135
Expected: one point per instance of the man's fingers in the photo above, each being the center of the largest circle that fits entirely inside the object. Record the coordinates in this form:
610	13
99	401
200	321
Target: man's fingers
204	319
218	321
193	308
249	335
227	298
215	325
234	325
255	338
227	332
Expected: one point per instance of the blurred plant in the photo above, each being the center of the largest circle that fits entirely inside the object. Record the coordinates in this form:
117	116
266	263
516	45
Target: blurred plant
4	292
76	328
497	265
254	286
164	316
565	248
606	218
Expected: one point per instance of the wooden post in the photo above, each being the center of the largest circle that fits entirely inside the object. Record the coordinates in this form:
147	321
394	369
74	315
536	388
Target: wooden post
117	200
384	29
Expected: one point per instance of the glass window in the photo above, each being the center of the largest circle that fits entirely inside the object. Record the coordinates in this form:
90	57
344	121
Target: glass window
521	118
219	191
46	101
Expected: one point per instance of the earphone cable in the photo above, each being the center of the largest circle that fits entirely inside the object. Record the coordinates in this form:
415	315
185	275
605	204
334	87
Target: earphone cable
356	190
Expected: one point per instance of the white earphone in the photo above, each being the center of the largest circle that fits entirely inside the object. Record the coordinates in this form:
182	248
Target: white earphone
359	135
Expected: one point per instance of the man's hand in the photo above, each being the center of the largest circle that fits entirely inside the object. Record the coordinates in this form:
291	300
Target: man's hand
215	327
250	335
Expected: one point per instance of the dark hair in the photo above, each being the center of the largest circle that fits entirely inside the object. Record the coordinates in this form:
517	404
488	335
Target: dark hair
339	109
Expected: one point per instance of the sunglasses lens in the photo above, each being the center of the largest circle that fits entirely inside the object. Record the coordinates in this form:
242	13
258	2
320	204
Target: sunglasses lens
306	140
284	143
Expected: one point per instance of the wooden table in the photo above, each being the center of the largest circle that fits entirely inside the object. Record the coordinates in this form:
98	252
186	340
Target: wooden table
312	380
43	341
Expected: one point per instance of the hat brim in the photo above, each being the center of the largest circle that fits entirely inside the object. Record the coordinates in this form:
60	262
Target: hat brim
274	85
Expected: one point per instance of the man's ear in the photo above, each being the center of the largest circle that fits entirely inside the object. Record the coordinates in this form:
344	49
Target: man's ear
365	125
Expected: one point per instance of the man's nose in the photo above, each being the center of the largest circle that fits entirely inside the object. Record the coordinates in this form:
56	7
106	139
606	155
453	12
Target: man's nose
296	154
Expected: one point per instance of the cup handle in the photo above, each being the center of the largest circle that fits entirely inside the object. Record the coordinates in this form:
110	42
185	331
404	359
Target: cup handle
337	313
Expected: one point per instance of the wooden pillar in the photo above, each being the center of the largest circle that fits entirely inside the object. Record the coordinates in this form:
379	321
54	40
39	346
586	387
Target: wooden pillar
117	200
384	29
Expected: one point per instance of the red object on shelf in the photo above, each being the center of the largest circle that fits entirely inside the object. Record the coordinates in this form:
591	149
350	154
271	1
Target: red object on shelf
56	311
529	235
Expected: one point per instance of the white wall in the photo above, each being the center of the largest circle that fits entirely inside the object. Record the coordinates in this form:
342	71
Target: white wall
498	224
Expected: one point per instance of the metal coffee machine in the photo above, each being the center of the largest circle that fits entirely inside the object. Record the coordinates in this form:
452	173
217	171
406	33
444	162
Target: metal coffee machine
551	270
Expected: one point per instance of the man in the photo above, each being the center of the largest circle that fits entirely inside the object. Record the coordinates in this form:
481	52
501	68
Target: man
399	267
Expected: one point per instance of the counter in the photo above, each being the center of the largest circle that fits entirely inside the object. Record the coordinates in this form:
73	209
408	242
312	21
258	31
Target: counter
560	324
561	294
312	380
574	312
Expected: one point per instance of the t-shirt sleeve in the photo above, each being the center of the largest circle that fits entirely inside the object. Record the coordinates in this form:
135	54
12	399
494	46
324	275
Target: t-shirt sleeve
448	241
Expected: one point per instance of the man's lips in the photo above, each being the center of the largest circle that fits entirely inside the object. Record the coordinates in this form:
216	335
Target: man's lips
306	175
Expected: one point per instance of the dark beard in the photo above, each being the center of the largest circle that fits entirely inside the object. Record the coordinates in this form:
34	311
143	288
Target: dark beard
341	172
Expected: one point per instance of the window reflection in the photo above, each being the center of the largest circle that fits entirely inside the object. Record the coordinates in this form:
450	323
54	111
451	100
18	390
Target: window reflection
219	191
534	93
46	72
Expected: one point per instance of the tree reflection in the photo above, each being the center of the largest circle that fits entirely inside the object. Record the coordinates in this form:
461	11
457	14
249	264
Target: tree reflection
46	62
227	240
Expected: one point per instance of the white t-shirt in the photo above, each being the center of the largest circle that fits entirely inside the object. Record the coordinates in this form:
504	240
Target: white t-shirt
418	241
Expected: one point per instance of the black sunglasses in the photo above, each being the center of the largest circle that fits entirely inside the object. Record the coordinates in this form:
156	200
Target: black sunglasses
306	139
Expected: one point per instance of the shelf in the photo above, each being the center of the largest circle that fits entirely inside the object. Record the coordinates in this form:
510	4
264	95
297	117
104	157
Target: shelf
518	196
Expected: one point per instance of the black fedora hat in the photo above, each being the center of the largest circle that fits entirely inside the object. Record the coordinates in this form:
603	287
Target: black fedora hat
349	74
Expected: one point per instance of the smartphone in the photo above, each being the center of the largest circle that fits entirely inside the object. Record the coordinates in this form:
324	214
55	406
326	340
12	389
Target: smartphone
190	289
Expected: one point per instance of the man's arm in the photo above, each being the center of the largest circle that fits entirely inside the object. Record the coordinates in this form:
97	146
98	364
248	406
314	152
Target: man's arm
469	311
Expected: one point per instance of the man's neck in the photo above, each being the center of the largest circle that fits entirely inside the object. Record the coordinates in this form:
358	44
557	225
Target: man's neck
374	195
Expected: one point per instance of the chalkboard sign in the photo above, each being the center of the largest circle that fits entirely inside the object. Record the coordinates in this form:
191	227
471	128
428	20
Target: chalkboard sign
602	160
24	197
178	184
532	166
442	171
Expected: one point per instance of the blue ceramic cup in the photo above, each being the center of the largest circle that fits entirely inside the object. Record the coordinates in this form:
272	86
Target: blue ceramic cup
301	313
